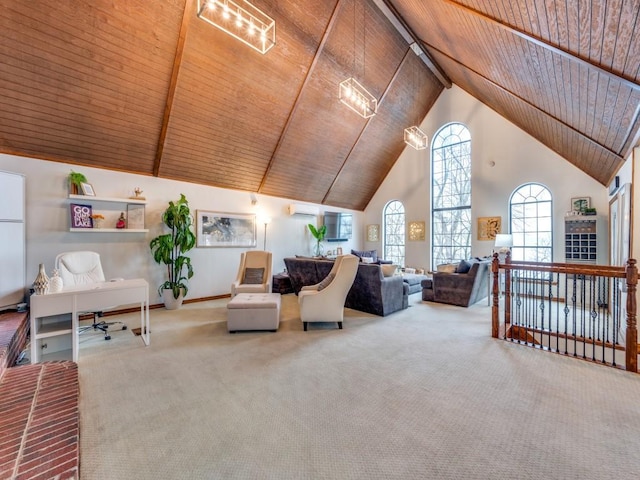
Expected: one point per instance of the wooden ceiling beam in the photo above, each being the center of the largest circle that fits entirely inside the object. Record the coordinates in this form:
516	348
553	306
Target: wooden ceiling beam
389	11
173	84
296	103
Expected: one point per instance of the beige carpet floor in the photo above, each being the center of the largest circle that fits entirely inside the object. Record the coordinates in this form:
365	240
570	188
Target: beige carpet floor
425	393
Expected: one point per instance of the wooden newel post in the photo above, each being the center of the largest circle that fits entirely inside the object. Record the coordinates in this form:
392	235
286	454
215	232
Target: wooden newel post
495	312
631	351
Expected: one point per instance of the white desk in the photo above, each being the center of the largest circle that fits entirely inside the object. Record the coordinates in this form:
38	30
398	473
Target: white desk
50	321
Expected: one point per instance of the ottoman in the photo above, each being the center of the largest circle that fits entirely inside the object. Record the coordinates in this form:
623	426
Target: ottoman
253	311
414	281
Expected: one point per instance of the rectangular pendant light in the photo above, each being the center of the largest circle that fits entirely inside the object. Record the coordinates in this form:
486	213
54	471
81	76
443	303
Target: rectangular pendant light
241	20
357	98
415	138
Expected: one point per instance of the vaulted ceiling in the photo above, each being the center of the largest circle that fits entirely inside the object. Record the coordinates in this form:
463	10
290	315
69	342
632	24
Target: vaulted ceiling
149	88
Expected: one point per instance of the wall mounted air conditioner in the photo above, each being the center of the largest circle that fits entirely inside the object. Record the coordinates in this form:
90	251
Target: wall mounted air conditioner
300	209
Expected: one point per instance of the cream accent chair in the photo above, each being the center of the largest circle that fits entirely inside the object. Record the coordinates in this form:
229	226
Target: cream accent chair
84	268
327	304
253	259
334	269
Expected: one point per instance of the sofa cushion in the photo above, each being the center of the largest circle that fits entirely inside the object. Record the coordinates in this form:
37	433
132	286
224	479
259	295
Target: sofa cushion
388	269
447	267
366	253
463	267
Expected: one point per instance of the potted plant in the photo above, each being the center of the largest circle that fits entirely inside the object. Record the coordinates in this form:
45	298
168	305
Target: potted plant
75	179
318	234
169	249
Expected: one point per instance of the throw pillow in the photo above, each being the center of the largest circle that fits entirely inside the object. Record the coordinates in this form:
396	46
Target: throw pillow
388	270
253	275
447	267
366	259
463	267
366	253
326	281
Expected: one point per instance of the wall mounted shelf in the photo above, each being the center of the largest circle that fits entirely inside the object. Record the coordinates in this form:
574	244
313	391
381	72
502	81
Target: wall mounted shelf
88	199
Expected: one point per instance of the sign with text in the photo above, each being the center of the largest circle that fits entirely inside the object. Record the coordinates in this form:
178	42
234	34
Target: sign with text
81	216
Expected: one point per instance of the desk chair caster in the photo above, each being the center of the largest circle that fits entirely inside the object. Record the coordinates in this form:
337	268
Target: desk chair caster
108	337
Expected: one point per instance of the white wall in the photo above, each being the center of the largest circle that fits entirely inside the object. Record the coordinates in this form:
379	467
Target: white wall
519	159
128	255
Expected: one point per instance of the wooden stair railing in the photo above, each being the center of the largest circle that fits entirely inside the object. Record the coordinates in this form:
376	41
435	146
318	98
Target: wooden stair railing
591	297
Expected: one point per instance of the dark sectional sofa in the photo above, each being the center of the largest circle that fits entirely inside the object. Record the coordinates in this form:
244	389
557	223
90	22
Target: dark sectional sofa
371	291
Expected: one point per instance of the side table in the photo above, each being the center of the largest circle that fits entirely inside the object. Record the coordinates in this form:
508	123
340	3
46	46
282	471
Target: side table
281	283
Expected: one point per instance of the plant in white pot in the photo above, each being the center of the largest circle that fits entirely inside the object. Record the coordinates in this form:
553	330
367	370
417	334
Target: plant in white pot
169	249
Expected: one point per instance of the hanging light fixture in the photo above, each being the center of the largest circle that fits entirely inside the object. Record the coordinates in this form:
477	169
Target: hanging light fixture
357	98
413	136
351	92
241	20
416	138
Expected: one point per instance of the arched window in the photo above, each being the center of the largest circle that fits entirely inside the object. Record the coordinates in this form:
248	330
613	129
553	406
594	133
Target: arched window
531	214
451	194
393	234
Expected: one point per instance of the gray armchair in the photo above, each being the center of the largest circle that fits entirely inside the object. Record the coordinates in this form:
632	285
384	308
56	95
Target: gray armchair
462	289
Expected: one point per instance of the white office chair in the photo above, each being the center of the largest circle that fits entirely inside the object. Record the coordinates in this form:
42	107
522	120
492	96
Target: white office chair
84	268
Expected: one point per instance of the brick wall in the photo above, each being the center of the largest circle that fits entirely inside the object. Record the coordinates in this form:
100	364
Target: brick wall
39	418
13	337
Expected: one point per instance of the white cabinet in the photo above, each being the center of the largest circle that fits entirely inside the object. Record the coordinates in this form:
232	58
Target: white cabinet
111	208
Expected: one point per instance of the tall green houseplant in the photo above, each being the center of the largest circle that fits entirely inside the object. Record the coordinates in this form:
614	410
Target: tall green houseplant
169	249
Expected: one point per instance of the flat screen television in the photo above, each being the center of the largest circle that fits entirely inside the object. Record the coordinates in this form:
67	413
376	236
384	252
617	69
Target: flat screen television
339	226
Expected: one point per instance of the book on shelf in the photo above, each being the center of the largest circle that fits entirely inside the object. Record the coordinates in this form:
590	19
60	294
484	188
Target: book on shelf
80	216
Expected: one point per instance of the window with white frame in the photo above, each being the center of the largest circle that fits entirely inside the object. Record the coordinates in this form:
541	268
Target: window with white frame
393	233
450	194
531	214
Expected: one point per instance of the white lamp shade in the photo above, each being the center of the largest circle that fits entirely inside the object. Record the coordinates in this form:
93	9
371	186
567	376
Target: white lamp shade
504	240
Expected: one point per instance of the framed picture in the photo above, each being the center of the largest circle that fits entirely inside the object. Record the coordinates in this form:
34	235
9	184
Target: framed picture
87	189
416	231
489	227
219	229
135	216
373	233
580	204
80	216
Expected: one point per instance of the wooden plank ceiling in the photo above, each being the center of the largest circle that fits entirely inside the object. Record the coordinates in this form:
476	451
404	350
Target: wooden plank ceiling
566	72
148	88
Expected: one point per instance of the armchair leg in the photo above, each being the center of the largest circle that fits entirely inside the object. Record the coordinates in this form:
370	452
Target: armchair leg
304	325
340	325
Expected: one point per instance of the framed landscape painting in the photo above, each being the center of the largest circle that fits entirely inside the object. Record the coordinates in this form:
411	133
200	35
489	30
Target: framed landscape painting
219	229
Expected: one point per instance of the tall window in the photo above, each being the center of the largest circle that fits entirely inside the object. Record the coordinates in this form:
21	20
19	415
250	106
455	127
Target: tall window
451	194
532	223
394	224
